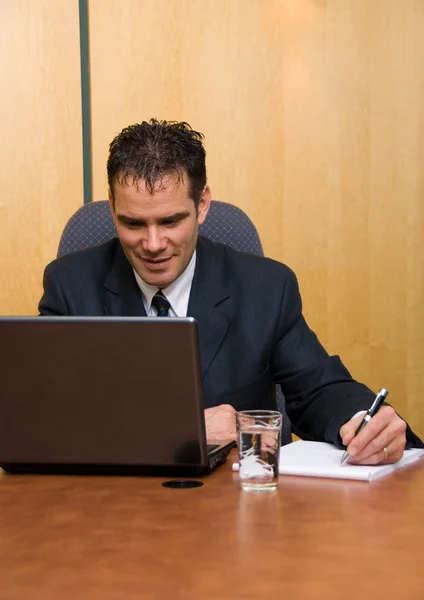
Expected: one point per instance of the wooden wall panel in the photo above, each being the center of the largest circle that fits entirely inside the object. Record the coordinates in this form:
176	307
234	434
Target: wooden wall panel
40	150
353	94
313	114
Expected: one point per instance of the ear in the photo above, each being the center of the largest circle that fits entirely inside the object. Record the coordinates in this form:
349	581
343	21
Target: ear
111	204
204	204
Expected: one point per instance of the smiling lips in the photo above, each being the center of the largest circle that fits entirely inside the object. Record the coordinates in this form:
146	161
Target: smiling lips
155	263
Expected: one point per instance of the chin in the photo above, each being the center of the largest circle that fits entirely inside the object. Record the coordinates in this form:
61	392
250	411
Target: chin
158	280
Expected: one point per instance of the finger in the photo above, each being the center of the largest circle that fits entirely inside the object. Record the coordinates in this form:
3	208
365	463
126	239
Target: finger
348	430
393	435
388	455
386	417
220	422
392	438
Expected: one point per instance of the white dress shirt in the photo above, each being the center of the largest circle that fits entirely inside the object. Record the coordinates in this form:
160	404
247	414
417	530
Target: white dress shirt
177	294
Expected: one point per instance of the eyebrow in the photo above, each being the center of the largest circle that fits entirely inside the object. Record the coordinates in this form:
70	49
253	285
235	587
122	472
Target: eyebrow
135	221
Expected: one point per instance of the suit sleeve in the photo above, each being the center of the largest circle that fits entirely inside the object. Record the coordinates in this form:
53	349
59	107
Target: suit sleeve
53	301
320	393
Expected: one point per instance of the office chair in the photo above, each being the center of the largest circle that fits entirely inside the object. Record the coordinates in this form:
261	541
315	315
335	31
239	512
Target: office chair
92	224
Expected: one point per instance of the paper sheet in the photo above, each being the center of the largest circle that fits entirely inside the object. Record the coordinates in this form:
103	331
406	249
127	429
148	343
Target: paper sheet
318	459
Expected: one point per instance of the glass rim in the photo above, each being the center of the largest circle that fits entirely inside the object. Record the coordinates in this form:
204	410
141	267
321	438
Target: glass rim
258	412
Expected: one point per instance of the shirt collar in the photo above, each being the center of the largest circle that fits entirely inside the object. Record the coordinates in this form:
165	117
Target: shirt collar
177	293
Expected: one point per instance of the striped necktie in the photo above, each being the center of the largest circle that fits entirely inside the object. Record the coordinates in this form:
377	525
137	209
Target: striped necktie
161	304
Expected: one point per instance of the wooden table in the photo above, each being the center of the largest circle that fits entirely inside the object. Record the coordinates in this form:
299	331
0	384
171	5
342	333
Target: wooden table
65	537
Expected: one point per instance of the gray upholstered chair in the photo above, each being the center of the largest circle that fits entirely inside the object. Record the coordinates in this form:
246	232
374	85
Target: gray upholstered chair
92	224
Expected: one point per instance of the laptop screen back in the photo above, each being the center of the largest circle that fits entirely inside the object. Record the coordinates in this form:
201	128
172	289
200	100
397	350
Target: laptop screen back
101	391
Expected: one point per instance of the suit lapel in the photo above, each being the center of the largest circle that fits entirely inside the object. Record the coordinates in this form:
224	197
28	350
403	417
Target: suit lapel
209	301
123	296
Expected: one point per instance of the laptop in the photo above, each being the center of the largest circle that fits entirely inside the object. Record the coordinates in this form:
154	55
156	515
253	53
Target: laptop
103	395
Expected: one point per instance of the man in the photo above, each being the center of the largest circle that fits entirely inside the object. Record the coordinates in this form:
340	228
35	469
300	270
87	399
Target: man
248	308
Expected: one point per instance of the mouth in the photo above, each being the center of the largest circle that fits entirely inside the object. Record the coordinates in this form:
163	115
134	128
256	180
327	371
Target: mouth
155	263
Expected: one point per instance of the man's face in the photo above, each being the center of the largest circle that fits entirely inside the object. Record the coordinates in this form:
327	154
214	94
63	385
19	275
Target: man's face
158	231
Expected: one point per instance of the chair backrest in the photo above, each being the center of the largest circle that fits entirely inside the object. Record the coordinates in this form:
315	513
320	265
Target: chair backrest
92	224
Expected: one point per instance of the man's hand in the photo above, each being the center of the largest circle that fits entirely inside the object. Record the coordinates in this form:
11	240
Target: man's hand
385	430
221	423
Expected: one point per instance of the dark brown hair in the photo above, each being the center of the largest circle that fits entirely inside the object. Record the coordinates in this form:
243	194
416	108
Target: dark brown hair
152	150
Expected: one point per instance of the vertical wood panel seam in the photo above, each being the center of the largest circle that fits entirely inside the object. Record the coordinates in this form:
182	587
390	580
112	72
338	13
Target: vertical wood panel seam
85	100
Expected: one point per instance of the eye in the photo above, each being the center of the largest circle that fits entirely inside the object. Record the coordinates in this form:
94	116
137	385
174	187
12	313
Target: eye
170	222
133	224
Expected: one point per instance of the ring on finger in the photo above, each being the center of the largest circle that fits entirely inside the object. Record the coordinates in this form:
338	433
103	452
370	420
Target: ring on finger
385	452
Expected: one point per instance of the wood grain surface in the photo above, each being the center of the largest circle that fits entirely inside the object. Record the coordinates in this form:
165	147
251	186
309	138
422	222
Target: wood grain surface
108	538
41	142
313	113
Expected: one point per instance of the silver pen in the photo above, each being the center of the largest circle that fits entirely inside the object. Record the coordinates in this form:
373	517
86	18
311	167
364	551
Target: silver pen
373	409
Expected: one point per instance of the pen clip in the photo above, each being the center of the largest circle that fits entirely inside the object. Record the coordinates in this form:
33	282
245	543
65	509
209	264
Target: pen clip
382	394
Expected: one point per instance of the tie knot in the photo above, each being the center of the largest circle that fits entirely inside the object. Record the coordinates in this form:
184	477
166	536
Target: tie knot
161	304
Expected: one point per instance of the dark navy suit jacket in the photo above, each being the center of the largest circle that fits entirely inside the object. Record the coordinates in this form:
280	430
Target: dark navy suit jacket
251	331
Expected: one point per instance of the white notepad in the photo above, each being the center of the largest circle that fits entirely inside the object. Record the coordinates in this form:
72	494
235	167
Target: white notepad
318	459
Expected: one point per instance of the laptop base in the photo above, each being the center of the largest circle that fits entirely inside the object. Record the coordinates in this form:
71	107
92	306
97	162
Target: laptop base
216	458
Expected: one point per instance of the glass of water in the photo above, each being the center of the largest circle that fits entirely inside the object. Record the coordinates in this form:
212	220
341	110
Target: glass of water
259	440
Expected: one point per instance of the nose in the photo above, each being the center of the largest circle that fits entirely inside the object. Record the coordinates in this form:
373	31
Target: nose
153	242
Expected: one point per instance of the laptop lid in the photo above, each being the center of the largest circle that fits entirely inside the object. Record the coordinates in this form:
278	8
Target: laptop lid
101	391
